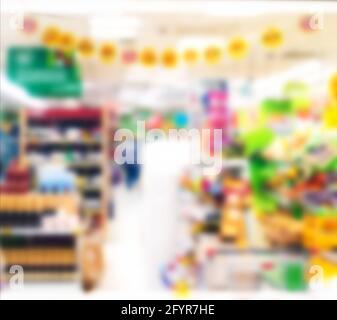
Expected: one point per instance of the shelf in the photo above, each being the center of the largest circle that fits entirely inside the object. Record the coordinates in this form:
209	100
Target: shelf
65	124
91	193
59	113
86	170
69	146
37	240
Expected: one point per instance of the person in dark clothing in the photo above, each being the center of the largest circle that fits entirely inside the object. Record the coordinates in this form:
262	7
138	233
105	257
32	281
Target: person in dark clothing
132	171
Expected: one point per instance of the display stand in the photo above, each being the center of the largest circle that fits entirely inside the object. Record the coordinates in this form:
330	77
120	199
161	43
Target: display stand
49	132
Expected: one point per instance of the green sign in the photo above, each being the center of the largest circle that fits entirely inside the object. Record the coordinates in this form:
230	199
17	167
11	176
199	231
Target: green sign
44	72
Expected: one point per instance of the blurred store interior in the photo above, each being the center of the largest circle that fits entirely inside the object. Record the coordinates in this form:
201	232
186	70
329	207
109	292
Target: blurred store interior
250	212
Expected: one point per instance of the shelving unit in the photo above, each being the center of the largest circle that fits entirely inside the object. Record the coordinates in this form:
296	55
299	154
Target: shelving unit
26	238
79	137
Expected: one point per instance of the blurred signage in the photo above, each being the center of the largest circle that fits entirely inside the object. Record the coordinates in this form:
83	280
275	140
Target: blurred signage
44	72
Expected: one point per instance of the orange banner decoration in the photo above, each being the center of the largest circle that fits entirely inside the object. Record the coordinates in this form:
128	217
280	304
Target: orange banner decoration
67	41
169	58
237	48
213	55
86	47
190	56
272	38
148	57
51	36
107	52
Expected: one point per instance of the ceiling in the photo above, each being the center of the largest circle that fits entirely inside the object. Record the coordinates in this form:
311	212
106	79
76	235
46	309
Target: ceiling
180	24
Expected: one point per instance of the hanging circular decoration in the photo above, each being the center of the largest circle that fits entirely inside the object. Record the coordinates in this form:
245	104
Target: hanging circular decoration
333	86
305	23
148	57
237	48
51	36
190	56
169	58
129	56
213	54
86	47
30	25
272	38
67	41
107	52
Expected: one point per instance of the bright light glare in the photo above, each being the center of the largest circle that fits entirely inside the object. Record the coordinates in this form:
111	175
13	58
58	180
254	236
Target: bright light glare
116	27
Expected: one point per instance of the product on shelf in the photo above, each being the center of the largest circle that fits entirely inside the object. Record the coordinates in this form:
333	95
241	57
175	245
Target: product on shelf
9	136
39	232
17	178
55	178
42	257
77	139
282	210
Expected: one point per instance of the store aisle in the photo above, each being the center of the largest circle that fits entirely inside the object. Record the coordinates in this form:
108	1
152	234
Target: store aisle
124	250
142	236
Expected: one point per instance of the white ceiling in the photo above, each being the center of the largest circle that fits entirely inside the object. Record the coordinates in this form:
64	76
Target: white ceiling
165	23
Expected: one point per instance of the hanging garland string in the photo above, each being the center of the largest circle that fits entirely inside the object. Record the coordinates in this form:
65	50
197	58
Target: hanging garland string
237	48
